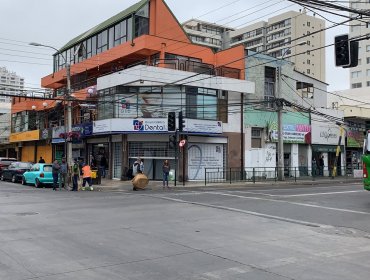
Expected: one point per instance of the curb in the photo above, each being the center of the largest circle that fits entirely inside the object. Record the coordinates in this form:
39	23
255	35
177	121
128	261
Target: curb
128	188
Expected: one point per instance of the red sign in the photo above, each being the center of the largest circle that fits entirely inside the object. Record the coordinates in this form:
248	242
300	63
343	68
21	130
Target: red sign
182	143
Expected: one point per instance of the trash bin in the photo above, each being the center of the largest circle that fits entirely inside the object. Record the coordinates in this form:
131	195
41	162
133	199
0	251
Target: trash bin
95	177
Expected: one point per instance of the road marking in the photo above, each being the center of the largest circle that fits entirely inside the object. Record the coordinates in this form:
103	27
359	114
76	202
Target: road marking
294	195
279	218
323	193
294	203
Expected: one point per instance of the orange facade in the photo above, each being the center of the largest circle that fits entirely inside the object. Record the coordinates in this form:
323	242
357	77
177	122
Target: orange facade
166	35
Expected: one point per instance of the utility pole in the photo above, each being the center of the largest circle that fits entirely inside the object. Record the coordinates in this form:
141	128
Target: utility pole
279	104
68	117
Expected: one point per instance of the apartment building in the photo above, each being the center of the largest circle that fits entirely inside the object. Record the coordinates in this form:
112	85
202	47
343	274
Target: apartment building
10	84
206	33
360	75
292	36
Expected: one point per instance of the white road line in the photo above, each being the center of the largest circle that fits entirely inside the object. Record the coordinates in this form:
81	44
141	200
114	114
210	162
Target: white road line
324	193
279	218
293	203
296	195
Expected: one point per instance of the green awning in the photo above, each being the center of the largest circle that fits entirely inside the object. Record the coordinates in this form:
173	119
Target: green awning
105	24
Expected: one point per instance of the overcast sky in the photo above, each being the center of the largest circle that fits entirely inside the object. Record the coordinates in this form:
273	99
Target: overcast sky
56	22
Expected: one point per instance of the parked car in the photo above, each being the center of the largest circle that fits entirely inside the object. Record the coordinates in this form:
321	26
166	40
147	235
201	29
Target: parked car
39	174
15	171
5	162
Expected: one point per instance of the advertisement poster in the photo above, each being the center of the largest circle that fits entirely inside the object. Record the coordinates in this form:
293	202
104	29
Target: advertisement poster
355	138
146	105
326	135
130	125
293	133
201	156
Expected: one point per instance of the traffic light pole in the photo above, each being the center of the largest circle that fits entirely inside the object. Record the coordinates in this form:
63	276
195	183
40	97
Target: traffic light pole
176	157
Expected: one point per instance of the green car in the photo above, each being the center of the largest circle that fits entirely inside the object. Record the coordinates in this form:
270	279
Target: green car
39	174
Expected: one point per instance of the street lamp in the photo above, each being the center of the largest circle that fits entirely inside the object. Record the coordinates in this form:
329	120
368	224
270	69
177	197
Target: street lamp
280	106
67	96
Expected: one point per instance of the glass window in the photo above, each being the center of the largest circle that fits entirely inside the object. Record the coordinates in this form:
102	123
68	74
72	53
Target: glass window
201	103
356	85
129	29
355	74
111	38
256	137
48	168
88	48
368	48
93	46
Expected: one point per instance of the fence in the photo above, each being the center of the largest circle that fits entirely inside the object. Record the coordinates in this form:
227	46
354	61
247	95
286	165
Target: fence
265	174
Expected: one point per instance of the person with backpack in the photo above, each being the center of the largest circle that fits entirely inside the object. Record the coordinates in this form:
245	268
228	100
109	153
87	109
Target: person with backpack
76	175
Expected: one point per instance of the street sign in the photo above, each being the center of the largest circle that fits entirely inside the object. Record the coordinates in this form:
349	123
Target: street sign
182	143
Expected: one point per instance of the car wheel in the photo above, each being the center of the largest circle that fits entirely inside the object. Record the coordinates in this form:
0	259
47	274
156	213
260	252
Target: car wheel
23	181
37	183
14	179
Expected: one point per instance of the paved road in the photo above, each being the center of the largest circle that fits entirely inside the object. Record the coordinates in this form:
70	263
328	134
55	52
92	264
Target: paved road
288	232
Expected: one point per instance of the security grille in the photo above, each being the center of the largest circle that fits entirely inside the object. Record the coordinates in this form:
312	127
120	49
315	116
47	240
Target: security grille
154	150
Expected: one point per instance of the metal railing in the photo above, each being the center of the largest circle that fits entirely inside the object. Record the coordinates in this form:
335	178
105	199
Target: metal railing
266	174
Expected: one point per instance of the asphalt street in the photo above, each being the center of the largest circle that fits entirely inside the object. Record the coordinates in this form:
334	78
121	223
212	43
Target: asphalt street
286	232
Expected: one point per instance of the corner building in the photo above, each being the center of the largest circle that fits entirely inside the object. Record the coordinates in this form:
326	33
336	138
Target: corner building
130	71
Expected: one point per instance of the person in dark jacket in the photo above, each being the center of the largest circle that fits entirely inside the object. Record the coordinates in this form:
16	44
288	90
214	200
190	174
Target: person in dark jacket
55	172
166	171
41	160
103	166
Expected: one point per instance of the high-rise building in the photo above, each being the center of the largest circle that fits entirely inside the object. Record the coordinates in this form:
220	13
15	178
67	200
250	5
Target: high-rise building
360	75
10	84
293	36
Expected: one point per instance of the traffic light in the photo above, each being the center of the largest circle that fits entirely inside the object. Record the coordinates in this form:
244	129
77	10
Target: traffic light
171	121
342	50
172	141
353	53
181	122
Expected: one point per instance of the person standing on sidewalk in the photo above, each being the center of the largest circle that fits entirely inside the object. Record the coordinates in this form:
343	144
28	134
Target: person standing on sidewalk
166	171
76	175
63	182
103	166
86	176
321	165
55	172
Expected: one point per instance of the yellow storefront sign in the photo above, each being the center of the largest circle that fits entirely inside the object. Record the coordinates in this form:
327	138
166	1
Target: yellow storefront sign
25	136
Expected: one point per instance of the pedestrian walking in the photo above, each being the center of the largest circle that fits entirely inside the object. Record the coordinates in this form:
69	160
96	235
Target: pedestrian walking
86	176
63	182
166	171
103	166
76	175
41	160
55	172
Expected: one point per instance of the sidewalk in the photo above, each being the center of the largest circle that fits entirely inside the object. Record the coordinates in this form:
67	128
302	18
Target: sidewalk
117	185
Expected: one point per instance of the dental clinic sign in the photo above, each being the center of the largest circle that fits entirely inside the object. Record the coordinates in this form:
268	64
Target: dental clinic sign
149	125
327	135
